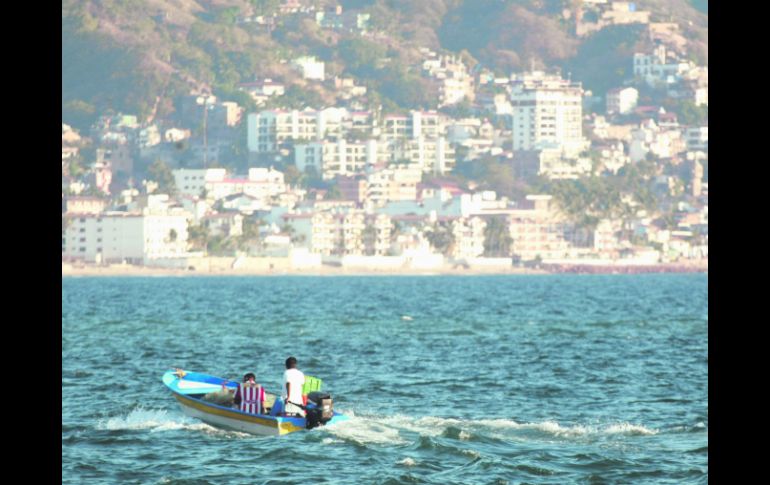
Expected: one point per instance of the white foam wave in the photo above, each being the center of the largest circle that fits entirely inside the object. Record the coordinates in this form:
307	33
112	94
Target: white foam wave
387	429
157	420
632	429
407	462
366	431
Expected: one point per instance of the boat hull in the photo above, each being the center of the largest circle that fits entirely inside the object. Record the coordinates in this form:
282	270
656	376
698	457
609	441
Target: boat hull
222	417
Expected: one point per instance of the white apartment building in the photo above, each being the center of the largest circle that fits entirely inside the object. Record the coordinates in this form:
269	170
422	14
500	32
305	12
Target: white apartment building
538	231
622	100
455	88
118	236
547	113
342	232
338	233
268	129
377	234
192	182
341	157
394	183
261	183
432	155
469	237
417	124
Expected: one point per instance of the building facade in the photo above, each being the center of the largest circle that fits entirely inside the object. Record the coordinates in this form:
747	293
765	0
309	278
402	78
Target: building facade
547	113
114	237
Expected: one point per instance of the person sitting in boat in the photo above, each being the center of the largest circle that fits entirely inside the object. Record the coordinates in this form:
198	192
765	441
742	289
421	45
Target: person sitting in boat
293	380
250	396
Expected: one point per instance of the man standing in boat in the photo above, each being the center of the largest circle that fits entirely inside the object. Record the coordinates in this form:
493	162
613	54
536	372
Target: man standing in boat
293	380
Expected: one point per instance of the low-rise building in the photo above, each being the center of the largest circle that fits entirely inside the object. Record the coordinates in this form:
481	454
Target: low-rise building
114	237
226	224
83	205
469	238
622	100
650	138
263	90
538	231
657	69
309	67
393	183
697	138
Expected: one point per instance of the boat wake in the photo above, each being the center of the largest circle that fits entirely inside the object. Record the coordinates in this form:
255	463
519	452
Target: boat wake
157	420
401	429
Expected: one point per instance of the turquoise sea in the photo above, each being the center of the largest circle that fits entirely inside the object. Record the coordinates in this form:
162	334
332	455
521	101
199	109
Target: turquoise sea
528	379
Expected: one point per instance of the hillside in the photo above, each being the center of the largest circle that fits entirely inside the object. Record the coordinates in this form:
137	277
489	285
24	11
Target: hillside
138	55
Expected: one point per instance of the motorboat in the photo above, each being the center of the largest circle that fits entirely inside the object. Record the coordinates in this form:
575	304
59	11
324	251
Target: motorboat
209	398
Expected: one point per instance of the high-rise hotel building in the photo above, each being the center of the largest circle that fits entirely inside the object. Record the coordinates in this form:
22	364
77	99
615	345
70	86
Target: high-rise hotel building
547	113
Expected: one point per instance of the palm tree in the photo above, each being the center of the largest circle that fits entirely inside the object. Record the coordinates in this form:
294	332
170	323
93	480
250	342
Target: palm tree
497	238
441	237
199	236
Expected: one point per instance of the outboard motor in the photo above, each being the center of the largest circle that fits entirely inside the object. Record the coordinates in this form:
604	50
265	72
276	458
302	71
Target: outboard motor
322	411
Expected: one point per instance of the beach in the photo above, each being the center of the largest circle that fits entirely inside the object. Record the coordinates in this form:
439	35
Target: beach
82	269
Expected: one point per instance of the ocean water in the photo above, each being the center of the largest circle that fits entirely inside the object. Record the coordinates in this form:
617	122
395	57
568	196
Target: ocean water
528	379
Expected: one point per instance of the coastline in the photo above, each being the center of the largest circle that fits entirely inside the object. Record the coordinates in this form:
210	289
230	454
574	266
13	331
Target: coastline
69	269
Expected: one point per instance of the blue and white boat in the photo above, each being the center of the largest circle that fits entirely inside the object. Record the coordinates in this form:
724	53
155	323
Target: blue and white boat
194	392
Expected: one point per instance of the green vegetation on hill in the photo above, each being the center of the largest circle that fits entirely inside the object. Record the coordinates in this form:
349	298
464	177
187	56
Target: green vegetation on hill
605	58
137	55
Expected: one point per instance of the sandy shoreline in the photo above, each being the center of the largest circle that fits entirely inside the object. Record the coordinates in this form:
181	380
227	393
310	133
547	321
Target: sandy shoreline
132	270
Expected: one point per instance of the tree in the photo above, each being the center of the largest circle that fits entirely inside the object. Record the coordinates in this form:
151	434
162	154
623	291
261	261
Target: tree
369	235
198	236
160	173
227	15
691	115
265	7
334	193
441	237
250	233
497	238
75	170
361	56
